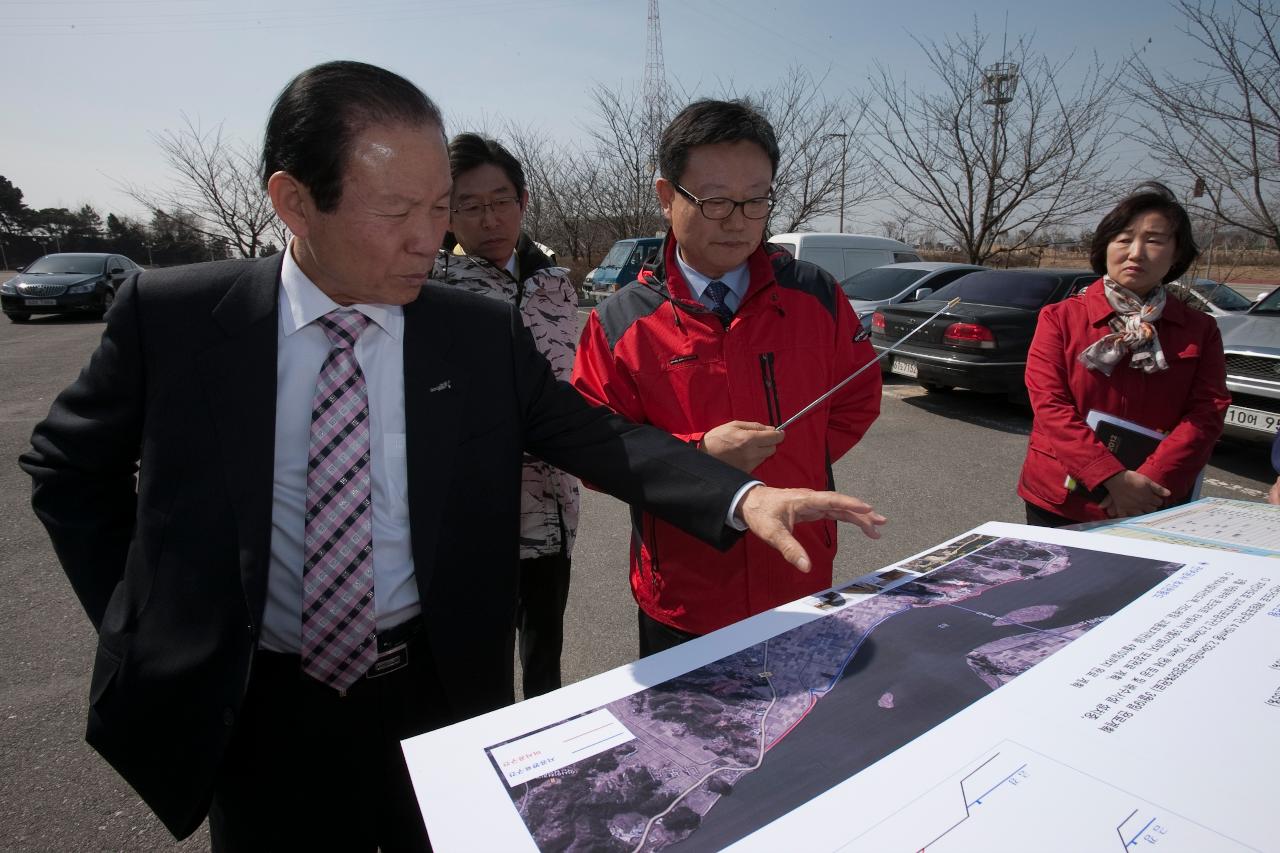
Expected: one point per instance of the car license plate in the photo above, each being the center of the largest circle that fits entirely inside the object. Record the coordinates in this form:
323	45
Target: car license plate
1253	419
905	367
35	302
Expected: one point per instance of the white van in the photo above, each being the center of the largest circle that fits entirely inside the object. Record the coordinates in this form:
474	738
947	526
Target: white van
842	255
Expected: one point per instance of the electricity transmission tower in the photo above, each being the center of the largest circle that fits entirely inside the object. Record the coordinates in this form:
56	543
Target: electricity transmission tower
655	82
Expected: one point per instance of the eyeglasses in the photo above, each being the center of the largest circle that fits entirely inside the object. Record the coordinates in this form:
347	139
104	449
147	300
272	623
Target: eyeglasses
722	208
475	209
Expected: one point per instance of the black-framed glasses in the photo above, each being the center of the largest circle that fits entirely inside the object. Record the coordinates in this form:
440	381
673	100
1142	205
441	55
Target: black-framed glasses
722	208
476	209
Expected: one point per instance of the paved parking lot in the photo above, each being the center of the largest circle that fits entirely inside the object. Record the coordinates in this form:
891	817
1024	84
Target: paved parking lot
936	465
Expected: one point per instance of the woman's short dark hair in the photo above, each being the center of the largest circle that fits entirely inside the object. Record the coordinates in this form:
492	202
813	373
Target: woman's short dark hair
1151	197
707	123
470	150
320	112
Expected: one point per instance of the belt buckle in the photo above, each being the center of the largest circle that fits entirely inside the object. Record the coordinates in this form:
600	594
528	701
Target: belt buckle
389	661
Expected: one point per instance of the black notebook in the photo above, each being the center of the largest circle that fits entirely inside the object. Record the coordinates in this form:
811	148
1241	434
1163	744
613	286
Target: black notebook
1131	443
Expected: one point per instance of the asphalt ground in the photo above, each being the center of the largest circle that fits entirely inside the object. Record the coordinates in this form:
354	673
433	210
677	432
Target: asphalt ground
936	465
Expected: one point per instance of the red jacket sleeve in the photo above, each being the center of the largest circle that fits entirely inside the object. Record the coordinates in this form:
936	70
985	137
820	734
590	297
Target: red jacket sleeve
1059	420
1181	456
855	406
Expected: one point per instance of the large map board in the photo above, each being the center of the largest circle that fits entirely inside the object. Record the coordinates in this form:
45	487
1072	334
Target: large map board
806	723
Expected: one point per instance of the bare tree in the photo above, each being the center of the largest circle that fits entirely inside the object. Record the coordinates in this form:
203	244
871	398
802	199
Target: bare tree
819	140
562	189
620	149
218	185
822	162
1222	130
986	177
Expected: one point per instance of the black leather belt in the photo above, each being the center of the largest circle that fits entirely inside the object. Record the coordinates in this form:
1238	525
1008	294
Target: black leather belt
393	647
394	644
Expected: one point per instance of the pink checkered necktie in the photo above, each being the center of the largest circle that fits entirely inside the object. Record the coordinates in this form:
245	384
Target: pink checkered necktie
338	640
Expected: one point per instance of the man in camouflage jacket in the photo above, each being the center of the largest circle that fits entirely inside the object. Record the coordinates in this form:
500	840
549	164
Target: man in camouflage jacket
494	258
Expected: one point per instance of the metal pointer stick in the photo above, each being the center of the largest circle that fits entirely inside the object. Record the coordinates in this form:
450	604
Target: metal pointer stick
789	421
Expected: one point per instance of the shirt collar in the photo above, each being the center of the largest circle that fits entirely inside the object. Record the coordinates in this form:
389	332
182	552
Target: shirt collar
511	265
301	302
736	279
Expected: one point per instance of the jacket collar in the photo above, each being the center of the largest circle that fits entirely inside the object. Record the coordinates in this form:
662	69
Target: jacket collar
665	274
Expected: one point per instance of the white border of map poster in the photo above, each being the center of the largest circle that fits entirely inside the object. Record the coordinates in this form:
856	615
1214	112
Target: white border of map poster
1147	729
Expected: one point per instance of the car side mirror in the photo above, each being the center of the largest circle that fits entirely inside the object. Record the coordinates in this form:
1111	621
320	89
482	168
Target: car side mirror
19	269
921	293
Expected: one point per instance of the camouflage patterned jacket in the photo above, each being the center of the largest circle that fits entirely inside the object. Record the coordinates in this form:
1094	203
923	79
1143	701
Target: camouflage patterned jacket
548	305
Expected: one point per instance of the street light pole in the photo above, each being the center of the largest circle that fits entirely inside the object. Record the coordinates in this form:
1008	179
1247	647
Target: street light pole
844	148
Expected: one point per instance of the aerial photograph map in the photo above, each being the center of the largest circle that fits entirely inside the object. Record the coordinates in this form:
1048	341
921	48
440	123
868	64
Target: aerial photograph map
723	750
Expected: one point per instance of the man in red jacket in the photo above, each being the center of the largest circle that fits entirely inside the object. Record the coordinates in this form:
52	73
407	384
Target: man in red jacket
721	340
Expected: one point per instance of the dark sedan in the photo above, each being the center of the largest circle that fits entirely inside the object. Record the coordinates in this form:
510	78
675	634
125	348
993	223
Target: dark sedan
80	283
982	342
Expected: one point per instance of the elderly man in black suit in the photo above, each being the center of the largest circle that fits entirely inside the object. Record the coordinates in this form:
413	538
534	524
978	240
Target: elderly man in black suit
286	492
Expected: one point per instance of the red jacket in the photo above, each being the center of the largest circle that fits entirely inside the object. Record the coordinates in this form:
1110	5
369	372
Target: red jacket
1187	401
656	355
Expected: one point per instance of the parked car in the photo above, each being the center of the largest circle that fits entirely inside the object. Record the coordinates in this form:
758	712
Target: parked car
981	343
894	283
842	255
621	265
79	283
1251	341
1211	297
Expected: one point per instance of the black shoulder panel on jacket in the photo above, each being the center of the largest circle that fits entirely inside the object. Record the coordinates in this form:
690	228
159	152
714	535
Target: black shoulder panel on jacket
529	258
806	277
633	302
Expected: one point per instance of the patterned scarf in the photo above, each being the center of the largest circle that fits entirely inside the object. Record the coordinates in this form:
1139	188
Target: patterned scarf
1132	331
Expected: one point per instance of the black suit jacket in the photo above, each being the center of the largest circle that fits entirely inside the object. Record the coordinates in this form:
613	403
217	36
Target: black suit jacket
172	570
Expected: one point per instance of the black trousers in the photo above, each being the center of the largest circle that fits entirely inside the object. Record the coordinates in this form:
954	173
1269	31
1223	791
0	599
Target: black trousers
1044	518
544	593
657	637
308	769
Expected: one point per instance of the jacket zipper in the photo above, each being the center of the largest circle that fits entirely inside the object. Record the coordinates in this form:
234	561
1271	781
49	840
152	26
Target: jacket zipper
770	381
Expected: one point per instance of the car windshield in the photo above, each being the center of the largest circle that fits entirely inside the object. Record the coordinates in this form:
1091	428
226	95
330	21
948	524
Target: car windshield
1221	296
879	283
1026	290
1269	305
66	264
617	256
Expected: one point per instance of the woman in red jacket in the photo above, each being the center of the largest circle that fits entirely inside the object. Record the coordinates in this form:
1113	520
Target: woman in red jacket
1124	348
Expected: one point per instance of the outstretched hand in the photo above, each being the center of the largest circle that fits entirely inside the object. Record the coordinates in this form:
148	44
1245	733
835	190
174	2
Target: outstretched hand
772	514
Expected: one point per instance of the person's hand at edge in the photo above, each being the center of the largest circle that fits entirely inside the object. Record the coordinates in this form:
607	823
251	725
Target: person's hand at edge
773	513
1273	496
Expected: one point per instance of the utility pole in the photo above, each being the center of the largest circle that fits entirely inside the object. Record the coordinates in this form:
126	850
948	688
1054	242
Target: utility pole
844	148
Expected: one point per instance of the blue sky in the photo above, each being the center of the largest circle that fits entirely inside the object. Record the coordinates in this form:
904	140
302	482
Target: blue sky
90	81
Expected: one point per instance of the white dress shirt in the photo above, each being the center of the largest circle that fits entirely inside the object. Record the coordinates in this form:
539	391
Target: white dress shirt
303	347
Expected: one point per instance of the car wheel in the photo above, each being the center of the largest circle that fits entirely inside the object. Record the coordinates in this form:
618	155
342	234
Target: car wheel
935	388
107	298
18	318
